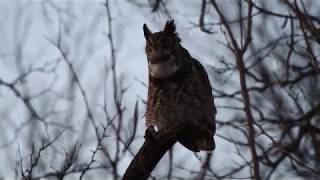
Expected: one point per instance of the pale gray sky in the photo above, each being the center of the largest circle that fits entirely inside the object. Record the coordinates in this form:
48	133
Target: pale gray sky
26	26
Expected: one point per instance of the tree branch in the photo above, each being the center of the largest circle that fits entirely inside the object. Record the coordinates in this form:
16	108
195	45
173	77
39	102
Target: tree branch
155	146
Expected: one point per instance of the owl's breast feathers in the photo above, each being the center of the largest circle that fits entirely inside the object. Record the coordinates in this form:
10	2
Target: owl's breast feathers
185	97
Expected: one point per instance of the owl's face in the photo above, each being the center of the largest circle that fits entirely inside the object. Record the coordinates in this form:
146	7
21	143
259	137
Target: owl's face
160	48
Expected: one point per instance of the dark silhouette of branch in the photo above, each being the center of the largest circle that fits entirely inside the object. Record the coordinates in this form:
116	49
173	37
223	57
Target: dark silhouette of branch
155	146
239	51
202	17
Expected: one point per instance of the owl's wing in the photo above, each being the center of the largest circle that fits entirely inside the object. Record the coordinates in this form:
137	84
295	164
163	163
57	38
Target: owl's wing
202	128
204	82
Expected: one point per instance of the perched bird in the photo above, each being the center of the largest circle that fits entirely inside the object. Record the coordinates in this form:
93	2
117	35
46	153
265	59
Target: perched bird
179	91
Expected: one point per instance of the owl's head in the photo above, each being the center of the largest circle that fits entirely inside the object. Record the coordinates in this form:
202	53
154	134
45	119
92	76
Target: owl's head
160	47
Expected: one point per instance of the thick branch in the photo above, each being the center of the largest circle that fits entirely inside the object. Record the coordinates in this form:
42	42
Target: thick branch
250	119
239	51
155	146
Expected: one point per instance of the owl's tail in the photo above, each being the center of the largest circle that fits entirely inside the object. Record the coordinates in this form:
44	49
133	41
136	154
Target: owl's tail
199	138
206	143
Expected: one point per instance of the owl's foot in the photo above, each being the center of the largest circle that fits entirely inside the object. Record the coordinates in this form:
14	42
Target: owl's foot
150	134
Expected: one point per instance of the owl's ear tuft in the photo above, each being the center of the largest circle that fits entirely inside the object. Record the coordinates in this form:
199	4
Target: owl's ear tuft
146	31
170	27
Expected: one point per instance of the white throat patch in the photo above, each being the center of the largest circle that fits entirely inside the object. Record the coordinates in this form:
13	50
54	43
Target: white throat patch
164	69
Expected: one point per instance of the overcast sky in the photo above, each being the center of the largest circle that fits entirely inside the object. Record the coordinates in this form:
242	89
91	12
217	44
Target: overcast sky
26	29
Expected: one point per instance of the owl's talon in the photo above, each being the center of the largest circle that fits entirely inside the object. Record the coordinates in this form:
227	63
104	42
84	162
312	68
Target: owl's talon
150	134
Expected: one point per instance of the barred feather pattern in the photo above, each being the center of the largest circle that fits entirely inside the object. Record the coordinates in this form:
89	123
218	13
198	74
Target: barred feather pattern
185	100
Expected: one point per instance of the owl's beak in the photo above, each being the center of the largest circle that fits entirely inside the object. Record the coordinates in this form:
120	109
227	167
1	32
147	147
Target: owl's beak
158	57
163	69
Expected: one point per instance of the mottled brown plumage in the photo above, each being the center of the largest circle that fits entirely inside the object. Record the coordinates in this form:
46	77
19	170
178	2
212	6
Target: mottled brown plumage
179	91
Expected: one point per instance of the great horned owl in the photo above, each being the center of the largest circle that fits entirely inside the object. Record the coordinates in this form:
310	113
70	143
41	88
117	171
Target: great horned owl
179	91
